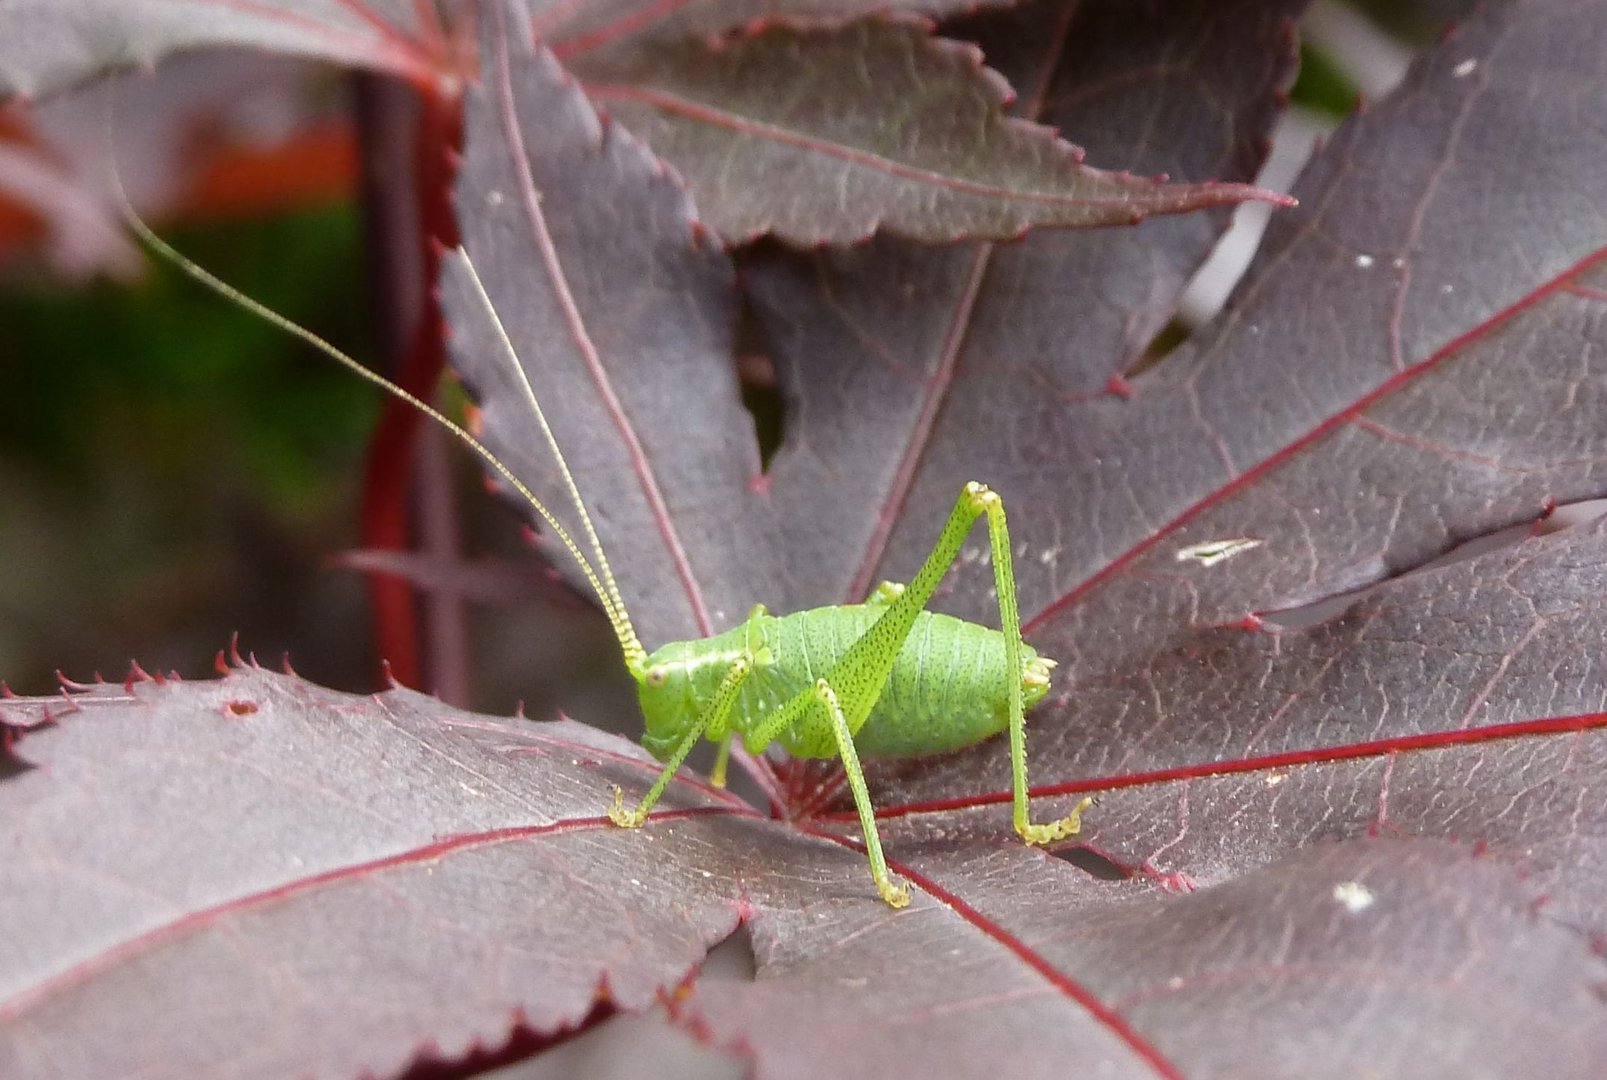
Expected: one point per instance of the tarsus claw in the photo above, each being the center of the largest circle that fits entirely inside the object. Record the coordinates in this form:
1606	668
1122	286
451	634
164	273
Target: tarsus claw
627	819
1070	825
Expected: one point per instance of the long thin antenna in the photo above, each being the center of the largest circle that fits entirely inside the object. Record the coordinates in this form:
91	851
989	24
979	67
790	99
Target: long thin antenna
621	618
609	597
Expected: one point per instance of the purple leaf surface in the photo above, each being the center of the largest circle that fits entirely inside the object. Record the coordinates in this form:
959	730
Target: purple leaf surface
1383	957
1372	845
224	856
787	130
620	310
46	45
828	122
572	28
818	122
1411	364
268	855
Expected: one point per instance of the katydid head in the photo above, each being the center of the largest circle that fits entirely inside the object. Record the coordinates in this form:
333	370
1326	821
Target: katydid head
668	696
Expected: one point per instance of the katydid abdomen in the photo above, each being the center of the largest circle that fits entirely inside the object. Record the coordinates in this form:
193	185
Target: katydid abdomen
947	688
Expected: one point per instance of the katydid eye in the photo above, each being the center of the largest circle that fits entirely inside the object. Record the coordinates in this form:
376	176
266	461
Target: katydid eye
658	676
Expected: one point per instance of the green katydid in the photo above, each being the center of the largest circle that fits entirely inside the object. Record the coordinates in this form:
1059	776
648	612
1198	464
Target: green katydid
883	678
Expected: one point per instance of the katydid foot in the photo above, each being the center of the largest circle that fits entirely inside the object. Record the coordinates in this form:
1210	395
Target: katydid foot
1048	833
897	896
627	819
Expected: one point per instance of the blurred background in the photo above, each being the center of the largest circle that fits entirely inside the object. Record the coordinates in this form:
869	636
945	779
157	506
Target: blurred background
174	472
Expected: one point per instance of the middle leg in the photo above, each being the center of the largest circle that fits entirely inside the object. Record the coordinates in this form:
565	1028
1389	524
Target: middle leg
823	696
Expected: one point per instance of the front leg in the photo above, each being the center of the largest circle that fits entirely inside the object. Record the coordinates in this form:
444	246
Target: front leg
713	716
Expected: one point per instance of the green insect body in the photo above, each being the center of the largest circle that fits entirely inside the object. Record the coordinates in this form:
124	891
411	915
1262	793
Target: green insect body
842	699
884	678
946	690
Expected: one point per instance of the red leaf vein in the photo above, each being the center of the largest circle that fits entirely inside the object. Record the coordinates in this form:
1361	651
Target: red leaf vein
587	348
158	936
1563	283
1108	1017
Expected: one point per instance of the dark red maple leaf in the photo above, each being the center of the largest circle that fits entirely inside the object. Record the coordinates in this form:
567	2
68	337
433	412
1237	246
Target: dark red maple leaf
1370	845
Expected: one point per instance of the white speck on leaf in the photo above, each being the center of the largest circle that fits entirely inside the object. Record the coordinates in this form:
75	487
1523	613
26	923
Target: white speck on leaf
1364	261
1354	896
1464	69
1212	552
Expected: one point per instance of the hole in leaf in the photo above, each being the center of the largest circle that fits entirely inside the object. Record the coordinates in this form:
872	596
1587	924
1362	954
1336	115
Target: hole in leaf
242	708
761	394
1570	516
760	386
731	960
1171	336
1092	863
1558	519
1202	299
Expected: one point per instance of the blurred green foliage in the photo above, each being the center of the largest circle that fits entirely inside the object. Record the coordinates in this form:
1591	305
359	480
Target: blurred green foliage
184	373
168	461
1321	86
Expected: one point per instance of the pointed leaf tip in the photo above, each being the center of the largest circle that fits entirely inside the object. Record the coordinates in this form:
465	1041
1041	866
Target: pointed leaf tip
882	127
